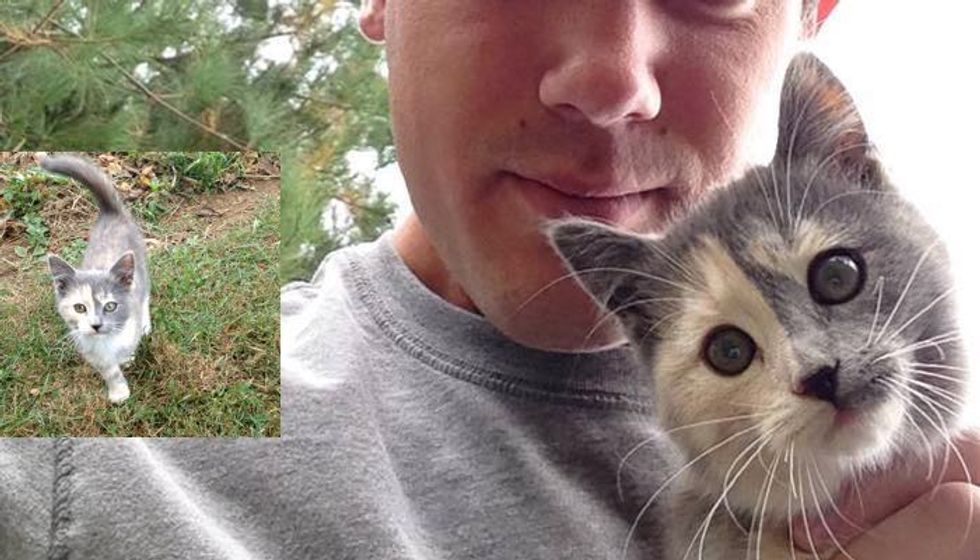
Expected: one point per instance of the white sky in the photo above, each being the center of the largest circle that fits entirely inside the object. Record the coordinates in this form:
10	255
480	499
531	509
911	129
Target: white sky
912	71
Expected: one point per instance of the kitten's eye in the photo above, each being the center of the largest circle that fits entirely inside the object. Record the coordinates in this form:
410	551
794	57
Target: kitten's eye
836	276
728	350
109	307
79	308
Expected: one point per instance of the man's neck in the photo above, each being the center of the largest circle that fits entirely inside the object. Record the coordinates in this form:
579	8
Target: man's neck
413	246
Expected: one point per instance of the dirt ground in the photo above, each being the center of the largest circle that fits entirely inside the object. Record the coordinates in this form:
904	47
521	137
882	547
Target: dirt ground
72	214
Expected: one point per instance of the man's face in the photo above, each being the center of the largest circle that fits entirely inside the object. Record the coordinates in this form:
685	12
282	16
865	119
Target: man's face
510	113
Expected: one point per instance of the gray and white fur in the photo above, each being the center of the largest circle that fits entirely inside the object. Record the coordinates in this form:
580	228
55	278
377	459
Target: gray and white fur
832	388
106	302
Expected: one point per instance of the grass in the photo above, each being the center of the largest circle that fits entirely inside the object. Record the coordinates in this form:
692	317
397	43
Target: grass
22	196
210	367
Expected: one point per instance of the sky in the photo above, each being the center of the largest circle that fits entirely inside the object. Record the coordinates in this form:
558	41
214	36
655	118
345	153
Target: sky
912	73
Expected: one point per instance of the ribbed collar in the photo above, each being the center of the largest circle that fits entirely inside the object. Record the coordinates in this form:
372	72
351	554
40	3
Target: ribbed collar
426	325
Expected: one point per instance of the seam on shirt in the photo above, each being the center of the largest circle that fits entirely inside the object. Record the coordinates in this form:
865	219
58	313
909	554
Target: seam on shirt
484	377
61	499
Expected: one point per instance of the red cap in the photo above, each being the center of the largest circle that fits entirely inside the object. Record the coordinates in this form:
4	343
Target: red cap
824	8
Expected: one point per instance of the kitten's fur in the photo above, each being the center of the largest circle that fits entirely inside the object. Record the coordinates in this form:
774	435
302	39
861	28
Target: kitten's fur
106	302
742	258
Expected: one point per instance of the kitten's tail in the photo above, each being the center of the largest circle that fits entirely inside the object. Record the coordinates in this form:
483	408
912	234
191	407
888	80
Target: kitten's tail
89	175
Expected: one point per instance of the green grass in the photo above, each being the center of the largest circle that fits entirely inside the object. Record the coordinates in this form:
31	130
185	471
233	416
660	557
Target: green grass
22	196
210	367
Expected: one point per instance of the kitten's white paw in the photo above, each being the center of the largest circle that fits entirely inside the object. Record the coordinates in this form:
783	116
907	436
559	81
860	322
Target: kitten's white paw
147	329
118	392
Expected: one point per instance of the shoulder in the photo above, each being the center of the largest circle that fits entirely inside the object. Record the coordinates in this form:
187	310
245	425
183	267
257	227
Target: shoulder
329	341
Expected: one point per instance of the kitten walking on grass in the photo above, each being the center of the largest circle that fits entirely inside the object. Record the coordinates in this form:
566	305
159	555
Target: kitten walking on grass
105	302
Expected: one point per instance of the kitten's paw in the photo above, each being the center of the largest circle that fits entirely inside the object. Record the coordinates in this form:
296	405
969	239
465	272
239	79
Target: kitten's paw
118	392
147	328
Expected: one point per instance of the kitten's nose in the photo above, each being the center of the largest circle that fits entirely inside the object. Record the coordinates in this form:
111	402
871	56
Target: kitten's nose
96	327
821	384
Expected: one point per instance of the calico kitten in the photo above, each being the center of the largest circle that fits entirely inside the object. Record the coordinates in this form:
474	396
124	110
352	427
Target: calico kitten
106	302
798	323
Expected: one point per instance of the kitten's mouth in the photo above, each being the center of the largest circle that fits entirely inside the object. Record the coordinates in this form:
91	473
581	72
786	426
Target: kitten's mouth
847	417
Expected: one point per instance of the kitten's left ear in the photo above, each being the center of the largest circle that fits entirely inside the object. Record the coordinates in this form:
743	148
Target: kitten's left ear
608	263
122	271
818	119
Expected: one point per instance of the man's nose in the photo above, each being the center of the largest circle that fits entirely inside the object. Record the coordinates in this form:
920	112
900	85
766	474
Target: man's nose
607	73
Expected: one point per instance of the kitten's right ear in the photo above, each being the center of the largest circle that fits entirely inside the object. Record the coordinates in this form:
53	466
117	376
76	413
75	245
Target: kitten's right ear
61	272
614	266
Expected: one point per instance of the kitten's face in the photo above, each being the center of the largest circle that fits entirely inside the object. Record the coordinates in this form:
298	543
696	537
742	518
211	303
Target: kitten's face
806	302
93	303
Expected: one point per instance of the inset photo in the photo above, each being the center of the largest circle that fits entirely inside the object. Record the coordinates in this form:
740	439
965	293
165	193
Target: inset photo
139	294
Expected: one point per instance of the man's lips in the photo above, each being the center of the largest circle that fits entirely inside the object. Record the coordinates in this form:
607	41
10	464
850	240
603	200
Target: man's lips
573	186
555	198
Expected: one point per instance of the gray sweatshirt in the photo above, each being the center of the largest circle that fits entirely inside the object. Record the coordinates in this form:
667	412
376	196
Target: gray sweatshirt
411	430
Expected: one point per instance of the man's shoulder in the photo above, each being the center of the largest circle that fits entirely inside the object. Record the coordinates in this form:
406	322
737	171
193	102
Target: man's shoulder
333	284
330	341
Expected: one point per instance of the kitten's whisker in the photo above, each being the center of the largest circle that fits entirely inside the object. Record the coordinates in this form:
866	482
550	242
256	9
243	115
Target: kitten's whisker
805	516
833	503
856	477
571	276
563	278
843	150
762	516
769	469
792	144
943	431
755	168
745	450
684	271
714	421
939	376
637	447
945	338
940	392
761	441
900	389
823	520
612	313
939	366
959	457
789	500
932	304
757	406
775	192
925	440
905	290
856	193
662	320
640	273
755	510
880	287
653	498
933	403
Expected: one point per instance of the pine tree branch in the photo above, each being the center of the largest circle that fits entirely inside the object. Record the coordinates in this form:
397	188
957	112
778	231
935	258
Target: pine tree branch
159	100
47	17
350	202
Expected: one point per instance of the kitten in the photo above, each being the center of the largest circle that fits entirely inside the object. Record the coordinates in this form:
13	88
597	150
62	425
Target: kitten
106	302
798	324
